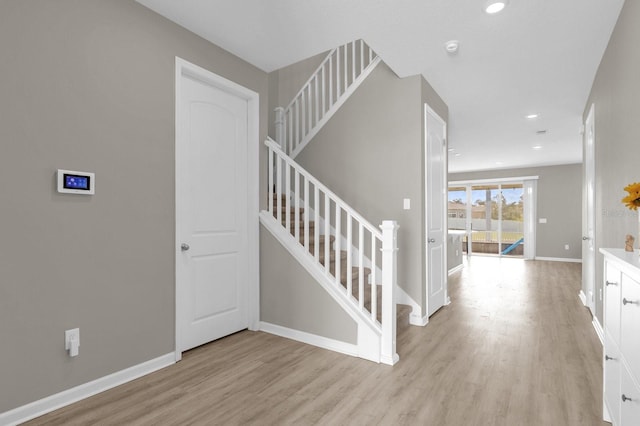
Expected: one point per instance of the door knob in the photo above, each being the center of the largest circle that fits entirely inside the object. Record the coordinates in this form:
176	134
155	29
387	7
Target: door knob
185	247
585	238
432	240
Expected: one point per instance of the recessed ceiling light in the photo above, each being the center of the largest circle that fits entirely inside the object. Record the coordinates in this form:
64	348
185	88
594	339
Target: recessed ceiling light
537	147
457	154
532	116
451	149
499	163
495	6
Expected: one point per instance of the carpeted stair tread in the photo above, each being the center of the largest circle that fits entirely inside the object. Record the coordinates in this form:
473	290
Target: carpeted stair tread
312	239
332	258
292	225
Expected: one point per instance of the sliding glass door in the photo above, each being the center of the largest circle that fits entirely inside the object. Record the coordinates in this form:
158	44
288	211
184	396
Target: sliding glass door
492	216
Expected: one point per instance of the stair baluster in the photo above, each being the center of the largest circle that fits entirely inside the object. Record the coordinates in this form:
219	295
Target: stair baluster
337	77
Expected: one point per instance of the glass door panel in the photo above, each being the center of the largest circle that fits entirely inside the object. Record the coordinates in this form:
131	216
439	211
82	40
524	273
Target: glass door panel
457	212
485	219
512	222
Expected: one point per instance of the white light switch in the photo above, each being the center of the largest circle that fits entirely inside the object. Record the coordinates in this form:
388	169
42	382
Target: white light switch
543	220
407	203
72	341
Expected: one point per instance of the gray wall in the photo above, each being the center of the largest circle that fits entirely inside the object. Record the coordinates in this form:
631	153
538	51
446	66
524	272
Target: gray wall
559	201
370	155
616	95
292	298
89	85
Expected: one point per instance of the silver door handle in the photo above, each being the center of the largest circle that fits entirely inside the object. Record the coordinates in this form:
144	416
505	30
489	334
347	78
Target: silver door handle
184	247
431	240
585	238
630	302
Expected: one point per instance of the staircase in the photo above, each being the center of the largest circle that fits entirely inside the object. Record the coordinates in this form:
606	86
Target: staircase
297	220
307	240
354	261
337	77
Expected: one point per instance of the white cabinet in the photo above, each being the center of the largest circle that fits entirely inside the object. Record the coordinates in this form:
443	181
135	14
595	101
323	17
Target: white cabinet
611	368
621	354
612	282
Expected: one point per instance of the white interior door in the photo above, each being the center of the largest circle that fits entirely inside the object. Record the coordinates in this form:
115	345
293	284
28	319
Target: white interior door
435	210
588	213
212	256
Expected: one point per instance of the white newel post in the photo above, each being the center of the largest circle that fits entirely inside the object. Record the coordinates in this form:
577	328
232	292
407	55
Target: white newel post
280	128
389	229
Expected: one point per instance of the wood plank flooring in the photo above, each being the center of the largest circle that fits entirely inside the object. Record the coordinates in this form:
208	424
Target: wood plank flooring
515	347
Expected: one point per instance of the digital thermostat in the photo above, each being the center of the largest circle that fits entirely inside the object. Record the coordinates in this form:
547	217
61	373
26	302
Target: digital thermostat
71	182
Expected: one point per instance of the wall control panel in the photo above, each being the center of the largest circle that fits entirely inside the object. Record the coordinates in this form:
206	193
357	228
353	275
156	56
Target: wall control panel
70	182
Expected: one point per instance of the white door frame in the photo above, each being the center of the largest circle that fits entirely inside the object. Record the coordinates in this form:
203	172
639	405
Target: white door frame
185	68
587	292
447	300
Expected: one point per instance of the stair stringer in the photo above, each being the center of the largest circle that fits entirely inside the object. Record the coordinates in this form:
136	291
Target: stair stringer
369	332
335	107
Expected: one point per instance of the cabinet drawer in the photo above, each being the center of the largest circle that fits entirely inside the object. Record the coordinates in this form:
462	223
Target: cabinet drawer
611	368
630	325
629	400
612	301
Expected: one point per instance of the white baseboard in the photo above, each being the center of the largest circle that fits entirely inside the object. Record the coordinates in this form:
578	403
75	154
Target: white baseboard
420	321
310	339
583	297
415	318
559	259
599	330
69	396
455	269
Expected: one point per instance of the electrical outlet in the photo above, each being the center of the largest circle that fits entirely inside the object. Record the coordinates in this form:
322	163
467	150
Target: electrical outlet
72	341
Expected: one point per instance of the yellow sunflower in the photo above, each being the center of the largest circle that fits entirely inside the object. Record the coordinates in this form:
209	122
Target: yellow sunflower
632	201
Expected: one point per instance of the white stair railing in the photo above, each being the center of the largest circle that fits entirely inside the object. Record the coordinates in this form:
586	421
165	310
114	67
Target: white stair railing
300	201
344	68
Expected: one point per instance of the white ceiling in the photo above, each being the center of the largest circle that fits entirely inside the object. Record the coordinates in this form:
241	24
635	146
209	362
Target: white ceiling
537	56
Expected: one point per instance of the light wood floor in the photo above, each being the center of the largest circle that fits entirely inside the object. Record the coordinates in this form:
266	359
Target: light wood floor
515	347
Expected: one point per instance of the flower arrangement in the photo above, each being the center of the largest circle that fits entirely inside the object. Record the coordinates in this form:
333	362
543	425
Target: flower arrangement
632	200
